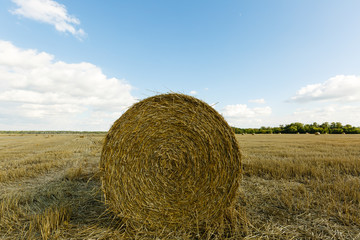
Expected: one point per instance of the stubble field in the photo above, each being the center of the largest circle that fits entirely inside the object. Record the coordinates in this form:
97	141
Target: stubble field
293	187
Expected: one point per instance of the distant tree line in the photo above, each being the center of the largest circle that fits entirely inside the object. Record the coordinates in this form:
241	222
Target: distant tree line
294	128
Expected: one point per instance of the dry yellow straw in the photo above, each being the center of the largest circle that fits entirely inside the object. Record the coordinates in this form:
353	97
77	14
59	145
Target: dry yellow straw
171	161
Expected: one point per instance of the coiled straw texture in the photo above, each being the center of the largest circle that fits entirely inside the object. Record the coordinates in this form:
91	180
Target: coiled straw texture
171	161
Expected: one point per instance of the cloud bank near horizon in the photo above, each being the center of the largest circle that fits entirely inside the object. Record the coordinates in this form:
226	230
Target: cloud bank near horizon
39	93
343	88
57	95
241	115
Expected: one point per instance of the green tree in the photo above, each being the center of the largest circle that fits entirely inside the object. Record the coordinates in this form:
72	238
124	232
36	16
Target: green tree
325	126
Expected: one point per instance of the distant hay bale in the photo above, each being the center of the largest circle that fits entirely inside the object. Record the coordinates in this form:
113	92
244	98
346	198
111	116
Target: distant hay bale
171	161
317	133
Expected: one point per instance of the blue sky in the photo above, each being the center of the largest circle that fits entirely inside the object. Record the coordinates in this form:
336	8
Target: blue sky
78	65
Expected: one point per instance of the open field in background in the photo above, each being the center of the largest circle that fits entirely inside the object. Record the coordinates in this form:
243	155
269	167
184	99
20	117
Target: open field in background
293	187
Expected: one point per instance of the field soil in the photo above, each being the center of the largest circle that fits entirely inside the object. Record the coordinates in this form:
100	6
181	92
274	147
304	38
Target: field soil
293	187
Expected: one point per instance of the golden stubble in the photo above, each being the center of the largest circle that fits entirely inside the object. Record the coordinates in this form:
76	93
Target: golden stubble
293	187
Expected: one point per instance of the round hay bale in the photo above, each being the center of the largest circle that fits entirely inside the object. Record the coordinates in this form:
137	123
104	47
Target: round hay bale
171	161
317	133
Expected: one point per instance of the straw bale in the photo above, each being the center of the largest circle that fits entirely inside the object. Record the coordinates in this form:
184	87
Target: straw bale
171	161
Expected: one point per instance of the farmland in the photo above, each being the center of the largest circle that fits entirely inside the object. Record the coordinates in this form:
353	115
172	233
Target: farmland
294	187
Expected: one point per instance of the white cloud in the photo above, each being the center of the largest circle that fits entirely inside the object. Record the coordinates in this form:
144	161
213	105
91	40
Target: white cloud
241	115
49	111
346	114
260	101
37	87
344	88
51	12
193	92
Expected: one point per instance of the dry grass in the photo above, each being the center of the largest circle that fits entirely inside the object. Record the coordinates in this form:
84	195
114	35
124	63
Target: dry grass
302	186
294	187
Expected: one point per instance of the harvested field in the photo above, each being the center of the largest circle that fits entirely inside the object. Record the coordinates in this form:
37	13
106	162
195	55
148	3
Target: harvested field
293	187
